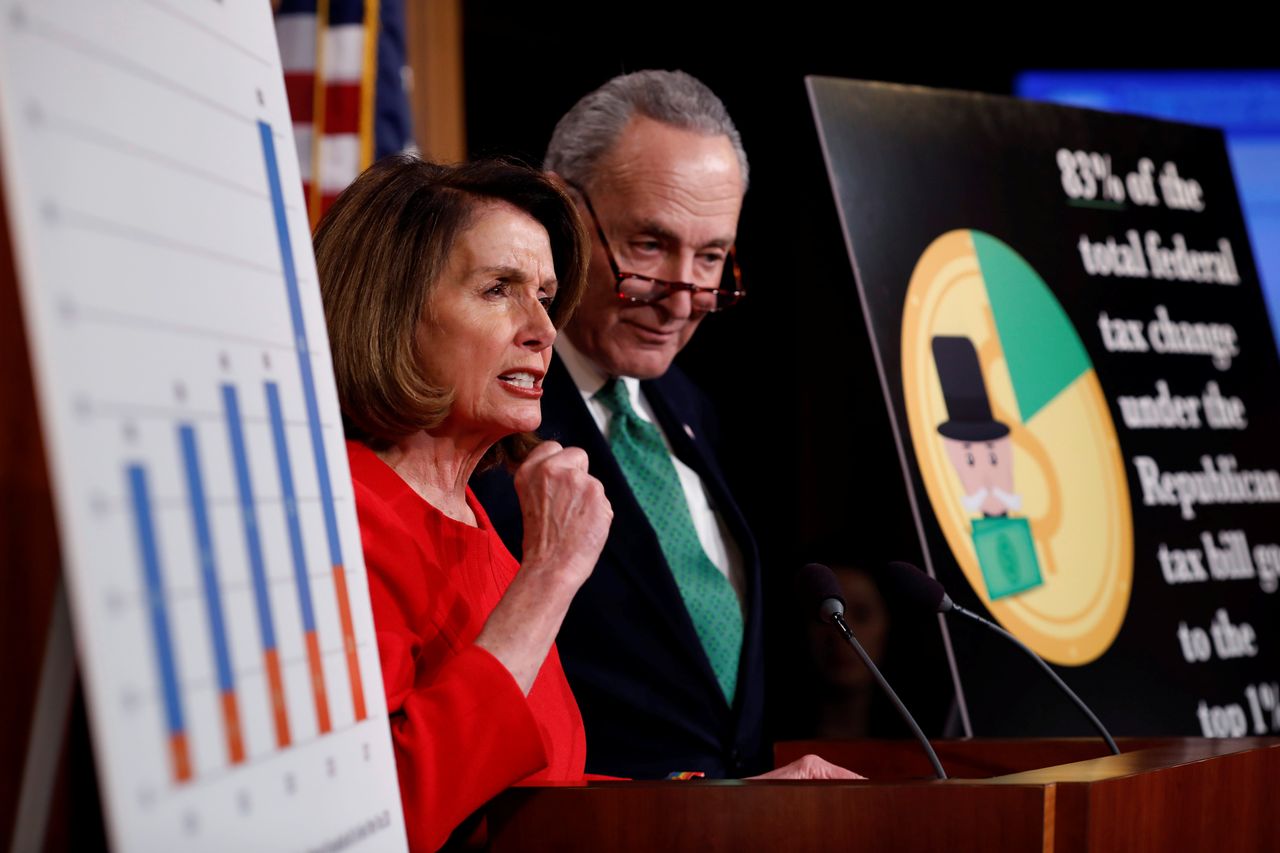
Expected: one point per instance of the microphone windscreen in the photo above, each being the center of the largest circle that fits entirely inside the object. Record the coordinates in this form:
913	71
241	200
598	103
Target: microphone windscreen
907	583
815	583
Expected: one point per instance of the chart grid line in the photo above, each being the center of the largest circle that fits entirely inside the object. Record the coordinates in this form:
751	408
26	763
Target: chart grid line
85	48
111	228
109	141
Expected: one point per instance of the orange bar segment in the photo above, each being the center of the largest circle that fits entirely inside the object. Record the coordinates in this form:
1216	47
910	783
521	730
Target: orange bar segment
180	756
231	718
317	682
275	682
349	642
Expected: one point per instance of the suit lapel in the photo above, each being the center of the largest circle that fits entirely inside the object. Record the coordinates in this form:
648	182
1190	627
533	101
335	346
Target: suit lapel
694	450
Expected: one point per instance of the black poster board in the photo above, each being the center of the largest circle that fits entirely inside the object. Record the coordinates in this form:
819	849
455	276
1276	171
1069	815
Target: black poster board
1078	364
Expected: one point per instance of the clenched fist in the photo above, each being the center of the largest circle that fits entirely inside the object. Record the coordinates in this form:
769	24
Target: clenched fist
566	514
566	522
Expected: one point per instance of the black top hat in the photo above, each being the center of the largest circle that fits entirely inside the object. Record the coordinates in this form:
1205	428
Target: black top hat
965	392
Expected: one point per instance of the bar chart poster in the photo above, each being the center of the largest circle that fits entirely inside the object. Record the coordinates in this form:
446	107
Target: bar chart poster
1077	360
209	540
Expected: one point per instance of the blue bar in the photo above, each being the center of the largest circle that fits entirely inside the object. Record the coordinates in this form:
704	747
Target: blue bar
253	542
204	552
300	341
290	507
155	597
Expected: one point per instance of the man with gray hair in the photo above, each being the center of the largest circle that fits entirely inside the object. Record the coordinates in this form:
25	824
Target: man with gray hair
662	644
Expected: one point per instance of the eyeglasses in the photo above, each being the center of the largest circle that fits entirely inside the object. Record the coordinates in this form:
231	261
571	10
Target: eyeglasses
640	289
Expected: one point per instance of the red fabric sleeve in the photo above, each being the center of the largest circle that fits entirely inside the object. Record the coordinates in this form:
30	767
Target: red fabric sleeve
461	726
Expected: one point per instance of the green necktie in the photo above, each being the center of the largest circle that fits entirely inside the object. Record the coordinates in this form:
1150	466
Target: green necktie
708	596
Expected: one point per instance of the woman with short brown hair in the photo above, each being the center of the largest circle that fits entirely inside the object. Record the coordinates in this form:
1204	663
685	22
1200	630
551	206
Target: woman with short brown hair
443	290
402	218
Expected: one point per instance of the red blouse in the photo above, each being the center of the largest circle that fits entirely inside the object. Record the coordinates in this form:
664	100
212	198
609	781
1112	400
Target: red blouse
463	730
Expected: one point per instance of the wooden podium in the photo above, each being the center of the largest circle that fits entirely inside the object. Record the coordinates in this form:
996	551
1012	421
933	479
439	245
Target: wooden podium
1058	795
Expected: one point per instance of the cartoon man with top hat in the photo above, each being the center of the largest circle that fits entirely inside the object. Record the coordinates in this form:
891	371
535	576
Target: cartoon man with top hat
981	449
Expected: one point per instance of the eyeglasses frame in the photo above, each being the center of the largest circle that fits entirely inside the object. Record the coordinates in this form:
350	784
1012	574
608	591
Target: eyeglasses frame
671	287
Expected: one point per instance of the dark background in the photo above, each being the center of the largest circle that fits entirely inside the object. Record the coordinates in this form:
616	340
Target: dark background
792	368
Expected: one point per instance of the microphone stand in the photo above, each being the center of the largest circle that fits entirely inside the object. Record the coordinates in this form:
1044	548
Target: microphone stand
1084	709
837	619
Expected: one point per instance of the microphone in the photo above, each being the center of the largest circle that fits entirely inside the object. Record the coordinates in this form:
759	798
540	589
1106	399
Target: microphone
925	593
817	585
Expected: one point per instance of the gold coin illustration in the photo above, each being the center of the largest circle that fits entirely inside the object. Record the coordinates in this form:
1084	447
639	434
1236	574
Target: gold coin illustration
1016	447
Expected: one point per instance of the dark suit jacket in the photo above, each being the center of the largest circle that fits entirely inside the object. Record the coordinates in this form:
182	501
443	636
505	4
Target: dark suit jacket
649	698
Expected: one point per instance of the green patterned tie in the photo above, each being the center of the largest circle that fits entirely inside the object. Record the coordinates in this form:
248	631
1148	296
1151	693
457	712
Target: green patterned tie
709	597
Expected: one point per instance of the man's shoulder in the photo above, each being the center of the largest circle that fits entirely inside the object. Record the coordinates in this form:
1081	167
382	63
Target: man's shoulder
676	379
677	391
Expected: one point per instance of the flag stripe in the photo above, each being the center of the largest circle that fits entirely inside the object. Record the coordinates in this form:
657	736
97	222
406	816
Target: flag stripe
345	77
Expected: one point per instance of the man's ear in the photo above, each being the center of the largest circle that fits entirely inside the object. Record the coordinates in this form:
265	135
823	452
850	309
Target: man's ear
567	188
560	182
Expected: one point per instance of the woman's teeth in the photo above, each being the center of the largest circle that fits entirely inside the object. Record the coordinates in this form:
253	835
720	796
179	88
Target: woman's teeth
520	380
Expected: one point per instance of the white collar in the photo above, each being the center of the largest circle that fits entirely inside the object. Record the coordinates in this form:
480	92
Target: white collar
590	377
585	373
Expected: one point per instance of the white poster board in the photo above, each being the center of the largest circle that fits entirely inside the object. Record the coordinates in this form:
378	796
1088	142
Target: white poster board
210	545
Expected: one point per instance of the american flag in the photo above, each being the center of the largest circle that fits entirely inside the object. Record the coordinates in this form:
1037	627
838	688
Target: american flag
347	79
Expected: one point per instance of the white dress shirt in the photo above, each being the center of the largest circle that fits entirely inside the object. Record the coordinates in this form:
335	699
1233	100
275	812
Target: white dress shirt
720	546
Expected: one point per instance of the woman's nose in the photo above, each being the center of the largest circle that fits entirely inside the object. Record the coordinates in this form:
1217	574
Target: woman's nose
538	332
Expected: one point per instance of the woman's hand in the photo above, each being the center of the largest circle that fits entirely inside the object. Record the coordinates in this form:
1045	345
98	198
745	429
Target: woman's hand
566	515
566	522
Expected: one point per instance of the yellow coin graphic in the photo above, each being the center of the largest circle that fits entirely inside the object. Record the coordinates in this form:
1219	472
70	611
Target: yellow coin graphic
1016	447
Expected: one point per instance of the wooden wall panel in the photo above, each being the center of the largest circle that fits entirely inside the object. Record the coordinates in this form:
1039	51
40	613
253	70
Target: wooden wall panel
434	43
